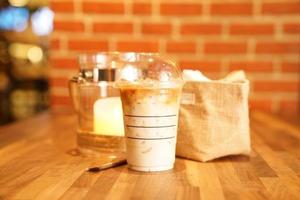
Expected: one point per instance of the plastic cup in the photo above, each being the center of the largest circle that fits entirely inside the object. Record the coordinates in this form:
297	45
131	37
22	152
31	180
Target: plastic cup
150	88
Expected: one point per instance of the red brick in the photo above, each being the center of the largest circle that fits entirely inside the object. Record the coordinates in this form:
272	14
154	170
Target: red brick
292	28
225	47
181	47
103	7
140	46
290	67
204	66
61	100
62	6
59	82
65	63
276	86
180	9
231	9
278	47
290	107
263	105
200	29
278	8
251	66
251	29
190	28
55	44
88	45
69	25
112	27
141	8
156	28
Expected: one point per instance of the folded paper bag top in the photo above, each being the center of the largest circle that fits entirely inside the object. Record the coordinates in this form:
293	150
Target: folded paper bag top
214	117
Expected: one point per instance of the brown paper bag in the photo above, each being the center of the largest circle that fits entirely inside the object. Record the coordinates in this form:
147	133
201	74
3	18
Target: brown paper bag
214	118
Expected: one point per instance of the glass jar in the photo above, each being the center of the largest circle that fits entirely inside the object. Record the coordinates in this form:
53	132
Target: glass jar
98	103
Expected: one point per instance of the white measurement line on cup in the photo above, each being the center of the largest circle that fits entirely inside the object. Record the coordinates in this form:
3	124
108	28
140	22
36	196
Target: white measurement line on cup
150	116
131	126
137	138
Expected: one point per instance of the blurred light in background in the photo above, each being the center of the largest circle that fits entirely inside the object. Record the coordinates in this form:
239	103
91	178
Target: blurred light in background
18	50
26	51
13	18
42	21
35	54
18	3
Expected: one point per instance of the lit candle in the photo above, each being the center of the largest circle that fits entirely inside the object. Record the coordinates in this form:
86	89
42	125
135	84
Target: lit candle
108	117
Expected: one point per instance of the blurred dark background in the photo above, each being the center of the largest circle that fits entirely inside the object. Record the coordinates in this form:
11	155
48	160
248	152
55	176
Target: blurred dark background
25	26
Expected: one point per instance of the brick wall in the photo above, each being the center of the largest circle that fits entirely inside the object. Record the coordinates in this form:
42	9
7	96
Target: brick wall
260	36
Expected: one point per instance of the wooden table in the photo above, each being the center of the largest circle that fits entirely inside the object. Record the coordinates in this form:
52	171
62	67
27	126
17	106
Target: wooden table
36	162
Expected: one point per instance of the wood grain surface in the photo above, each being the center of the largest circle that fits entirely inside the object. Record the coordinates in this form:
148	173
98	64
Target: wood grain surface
38	160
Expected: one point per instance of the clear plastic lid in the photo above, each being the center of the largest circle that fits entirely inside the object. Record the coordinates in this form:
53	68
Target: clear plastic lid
147	70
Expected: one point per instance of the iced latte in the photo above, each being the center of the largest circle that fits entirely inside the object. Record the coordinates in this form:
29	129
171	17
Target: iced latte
150	88
150	119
